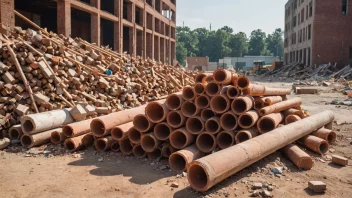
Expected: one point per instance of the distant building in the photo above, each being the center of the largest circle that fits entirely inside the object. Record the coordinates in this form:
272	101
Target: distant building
246	62
197	63
318	32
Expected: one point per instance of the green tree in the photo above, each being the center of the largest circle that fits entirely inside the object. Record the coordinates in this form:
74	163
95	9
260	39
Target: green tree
181	53
275	43
257	43
238	44
189	39
227	29
218	45
202	34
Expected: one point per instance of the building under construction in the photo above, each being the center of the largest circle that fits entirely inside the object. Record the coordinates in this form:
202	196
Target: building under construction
144	28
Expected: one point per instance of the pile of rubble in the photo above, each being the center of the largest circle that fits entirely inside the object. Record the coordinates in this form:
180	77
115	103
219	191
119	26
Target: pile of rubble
41	71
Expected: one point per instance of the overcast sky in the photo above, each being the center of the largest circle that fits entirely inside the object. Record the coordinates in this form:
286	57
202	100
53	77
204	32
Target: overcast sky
241	15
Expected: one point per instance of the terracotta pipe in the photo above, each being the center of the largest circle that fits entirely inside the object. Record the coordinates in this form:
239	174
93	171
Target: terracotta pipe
181	138
74	144
243	82
174	101
134	135
235	79
206	142
31	140
103	144
57	137
77	128
325	134
292	118
167	150
102	126
149	142
189	94
213	125
176	119
35	123
179	160
281	106
229	121
233	92
189	109
162	131
120	132
199	77
225	139
249	119
115	146
156	112
247	134
195	125
260	90
212	89
293	112
15	132
222	76
297	156
207	114
242	104
155	154
199	88
220	103
126	147
138	151
259	104
269	91
142	124
202	101
207	80
208	171
269	122
270	100
315	144
88	140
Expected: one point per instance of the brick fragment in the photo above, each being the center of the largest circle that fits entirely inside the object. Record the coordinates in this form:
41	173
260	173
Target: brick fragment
317	186
8	78
305	90
40	98
21	110
103	110
78	113
339	160
45	70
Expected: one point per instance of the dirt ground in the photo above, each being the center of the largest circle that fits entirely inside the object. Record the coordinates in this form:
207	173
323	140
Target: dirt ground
92	174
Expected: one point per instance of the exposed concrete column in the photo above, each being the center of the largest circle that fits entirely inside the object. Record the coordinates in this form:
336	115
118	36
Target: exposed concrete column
144	48
95	23
7	16
64	17
153	34
117	28
134	31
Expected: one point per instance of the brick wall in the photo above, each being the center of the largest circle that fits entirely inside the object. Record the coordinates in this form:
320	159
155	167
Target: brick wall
7	16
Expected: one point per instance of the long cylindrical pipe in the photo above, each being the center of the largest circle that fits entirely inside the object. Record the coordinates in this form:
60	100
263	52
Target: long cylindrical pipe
259	104
162	131
120	132
225	139
138	151
202	101
142	124
15	132
222	76
181	138
297	156
176	119
199	88
35	123
315	144
195	125
243	82
325	134
220	103
213	125
293	112
134	135
270	100
31	140
206	172
149	142
229	121
115	146
281	106
235	79
156	112
167	150
88	140
174	101
207	114
269	122
155	154
179	160
246	134
57	137
242	104
206	142
199	77
207	79
212	89
292	118
74	144
188	93
189	109
126	147
233	92
103	144
249	119
260	90
77	128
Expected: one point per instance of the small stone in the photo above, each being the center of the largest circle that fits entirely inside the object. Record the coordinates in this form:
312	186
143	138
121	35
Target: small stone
38	163
163	167
332	150
266	193
27	155
174	185
255	194
257	186
100	159
184	174
76	155
270	188
277	170
152	164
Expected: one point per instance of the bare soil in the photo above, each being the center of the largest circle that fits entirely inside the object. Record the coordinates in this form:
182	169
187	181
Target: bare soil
92	174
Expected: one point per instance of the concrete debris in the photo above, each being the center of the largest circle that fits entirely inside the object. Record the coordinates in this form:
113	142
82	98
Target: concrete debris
339	160
317	186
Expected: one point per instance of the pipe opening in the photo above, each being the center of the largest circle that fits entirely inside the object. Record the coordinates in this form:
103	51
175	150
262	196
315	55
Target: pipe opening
177	162
219	104
202	102
162	131
174	119
115	146
224	140
332	137
207	114
197	176
28	126
100	145
138	151
246	121
188	93
189	109
212	89
242	137
126	146
194	125
154	155
239	106
14	134
68	131
258	104
117	133
70	145
173	102
266	125
220	75
243	82
148	143
97	128
55	137
199	89
262	112
141	123
246	91
199	78
134	135
323	147
228	121
155	112
206	142
88	141
166	151
232	92
212	126
178	139
26	140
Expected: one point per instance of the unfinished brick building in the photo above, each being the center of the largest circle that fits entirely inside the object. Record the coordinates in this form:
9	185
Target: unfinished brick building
318	32
139	27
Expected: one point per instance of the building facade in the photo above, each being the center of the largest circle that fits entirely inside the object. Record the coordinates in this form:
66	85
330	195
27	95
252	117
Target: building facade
245	62
144	28
318	32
